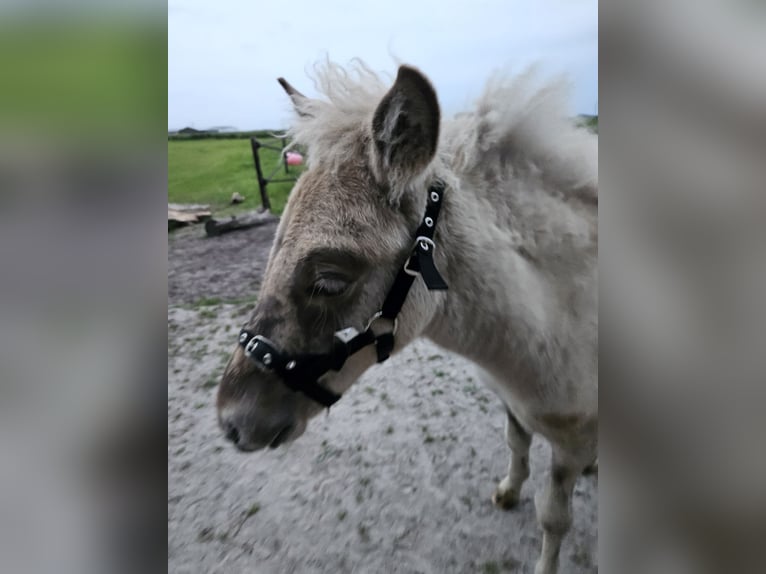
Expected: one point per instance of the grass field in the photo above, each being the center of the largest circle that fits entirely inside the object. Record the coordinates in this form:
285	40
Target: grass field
209	170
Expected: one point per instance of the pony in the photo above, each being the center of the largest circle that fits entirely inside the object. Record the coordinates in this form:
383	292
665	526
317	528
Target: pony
516	244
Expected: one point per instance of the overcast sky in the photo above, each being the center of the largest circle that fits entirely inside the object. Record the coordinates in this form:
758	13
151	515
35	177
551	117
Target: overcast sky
224	56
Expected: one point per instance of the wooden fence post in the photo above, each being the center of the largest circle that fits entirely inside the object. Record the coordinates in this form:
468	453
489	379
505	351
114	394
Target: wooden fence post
255	144
284	157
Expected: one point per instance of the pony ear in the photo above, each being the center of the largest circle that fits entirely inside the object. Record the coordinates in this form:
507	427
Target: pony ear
405	126
299	100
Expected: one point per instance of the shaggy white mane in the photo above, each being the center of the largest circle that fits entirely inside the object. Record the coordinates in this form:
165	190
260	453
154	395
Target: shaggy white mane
518	115
331	128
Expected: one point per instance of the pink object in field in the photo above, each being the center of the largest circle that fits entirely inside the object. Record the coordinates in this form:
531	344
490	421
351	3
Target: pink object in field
294	158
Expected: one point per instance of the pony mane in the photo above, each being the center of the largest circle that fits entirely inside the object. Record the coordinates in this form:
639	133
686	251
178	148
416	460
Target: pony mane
516	116
524	117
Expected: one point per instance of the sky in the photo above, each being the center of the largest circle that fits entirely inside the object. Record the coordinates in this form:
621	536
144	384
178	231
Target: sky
224	57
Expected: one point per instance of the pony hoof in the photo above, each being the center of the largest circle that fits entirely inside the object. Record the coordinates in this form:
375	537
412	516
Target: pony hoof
505	499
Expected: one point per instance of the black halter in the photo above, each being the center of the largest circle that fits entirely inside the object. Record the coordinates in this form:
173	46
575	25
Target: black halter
302	372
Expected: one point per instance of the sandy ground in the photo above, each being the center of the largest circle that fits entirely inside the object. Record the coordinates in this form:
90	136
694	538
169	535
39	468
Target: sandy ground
397	478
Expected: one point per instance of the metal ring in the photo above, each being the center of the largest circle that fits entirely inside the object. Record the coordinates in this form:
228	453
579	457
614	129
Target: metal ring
243	337
429	222
424	241
379	315
290	366
266	359
434	196
251	346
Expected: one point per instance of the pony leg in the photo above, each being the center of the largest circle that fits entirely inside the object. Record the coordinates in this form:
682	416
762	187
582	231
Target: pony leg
554	507
507	492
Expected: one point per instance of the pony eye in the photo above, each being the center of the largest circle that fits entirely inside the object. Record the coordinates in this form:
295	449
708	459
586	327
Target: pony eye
329	286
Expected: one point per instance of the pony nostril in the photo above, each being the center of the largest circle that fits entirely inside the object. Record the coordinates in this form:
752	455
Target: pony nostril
233	434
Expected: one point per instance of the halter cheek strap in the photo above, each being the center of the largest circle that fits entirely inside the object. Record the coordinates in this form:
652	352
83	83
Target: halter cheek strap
302	372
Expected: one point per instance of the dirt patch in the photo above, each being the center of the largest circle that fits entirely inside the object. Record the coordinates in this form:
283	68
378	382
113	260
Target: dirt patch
225	268
397	478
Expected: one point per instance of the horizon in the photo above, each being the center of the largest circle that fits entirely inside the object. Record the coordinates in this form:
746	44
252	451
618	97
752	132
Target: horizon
237	130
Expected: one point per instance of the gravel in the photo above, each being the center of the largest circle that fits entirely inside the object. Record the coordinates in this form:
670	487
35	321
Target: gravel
397	477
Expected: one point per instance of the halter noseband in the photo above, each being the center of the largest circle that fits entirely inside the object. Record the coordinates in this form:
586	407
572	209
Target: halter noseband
302	372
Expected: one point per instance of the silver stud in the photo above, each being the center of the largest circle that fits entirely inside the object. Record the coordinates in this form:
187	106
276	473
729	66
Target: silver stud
242	337
434	196
429	222
424	246
290	366
267	359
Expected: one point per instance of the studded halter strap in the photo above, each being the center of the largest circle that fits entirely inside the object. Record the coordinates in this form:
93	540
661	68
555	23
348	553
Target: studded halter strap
302	372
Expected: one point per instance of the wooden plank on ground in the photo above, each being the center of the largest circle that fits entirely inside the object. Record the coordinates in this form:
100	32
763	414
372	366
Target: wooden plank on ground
214	227
181	214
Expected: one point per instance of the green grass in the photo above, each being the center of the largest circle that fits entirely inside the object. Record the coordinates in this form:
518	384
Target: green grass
208	171
208	302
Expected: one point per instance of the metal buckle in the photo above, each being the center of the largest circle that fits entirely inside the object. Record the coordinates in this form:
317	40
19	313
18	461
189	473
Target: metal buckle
379	315
345	335
251	345
423	242
254	343
268	356
262	339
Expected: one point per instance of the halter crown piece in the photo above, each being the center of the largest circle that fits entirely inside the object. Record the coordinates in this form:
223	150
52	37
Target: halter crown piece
302	372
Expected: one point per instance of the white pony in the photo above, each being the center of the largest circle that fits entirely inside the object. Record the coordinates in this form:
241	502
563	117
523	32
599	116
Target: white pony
516	242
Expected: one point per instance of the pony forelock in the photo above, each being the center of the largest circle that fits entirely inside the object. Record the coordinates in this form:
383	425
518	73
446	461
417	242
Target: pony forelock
330	126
